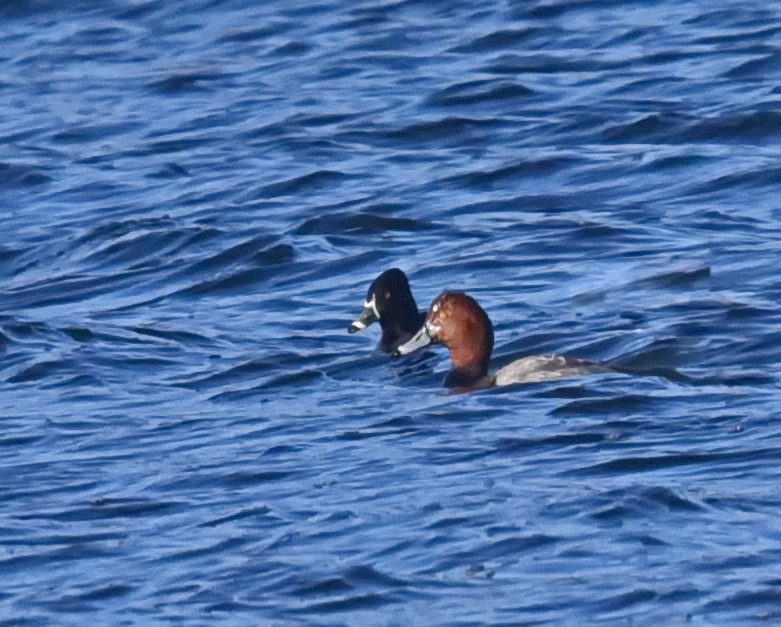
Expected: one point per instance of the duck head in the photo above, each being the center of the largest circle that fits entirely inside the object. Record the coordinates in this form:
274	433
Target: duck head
389	301
457	321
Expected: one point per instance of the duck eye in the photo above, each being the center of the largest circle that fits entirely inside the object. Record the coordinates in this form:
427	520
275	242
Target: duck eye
387	294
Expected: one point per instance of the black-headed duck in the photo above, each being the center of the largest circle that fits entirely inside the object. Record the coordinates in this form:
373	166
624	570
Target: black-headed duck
389	301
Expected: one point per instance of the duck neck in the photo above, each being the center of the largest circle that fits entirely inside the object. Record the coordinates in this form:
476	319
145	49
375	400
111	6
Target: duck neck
470	357
404	317
465	377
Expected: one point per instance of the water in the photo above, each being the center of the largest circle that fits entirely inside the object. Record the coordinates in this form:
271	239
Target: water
195	197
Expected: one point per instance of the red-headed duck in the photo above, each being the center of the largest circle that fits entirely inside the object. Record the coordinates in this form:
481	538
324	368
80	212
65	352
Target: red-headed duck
389	301
457	321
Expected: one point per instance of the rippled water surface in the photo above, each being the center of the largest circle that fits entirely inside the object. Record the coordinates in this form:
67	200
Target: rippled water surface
195	197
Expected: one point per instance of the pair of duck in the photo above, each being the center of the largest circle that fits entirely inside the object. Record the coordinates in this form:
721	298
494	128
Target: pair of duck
457	321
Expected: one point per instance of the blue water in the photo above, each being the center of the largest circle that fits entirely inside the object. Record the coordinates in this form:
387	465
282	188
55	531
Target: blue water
194	198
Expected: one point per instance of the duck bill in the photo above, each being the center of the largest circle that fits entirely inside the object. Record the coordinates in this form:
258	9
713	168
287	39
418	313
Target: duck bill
367	317
419	340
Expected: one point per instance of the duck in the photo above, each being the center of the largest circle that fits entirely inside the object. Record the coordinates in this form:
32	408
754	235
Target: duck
456	320
389	301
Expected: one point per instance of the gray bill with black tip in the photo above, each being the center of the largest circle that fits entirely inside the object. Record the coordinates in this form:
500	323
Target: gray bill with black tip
419	340
367	317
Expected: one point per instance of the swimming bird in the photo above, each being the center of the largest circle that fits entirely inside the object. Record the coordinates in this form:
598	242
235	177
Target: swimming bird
389	301
457	321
